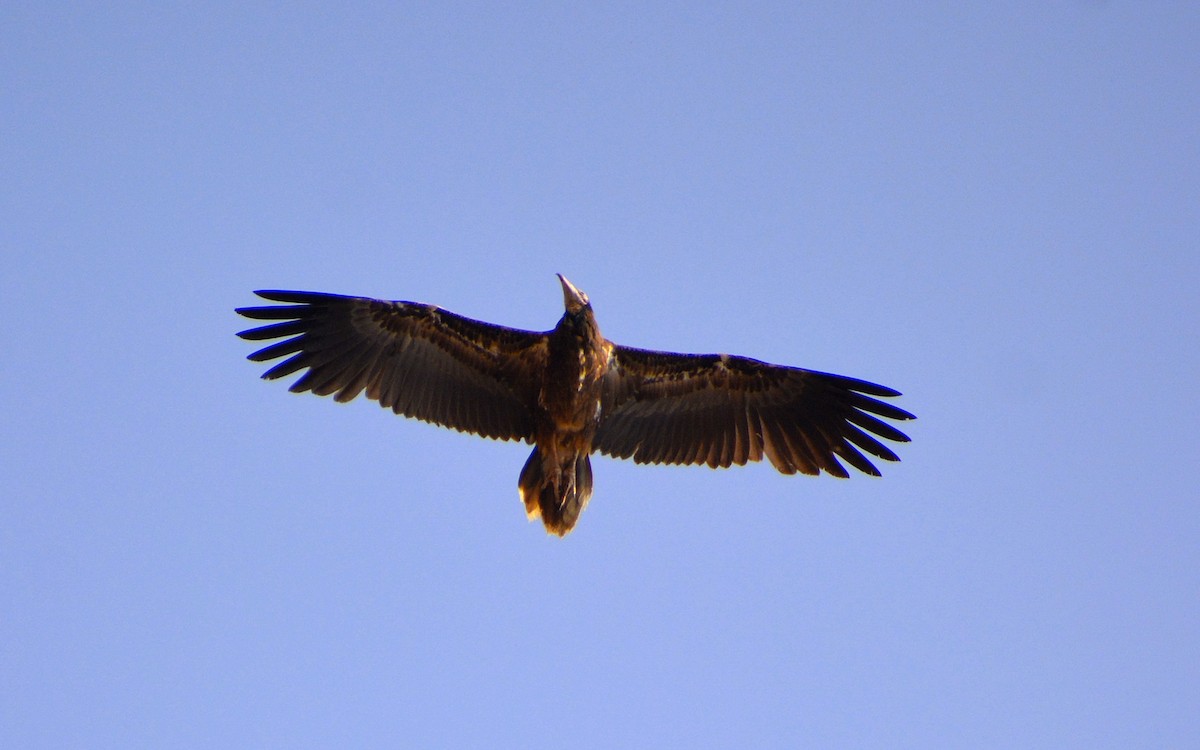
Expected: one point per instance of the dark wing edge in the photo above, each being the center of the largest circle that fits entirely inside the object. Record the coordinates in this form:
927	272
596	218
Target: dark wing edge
418	360
722	410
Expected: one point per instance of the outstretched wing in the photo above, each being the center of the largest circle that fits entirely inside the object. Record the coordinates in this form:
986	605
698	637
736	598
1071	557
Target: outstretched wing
418	360
720	410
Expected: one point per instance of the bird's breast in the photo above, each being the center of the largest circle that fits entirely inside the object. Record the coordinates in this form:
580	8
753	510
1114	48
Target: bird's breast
571	389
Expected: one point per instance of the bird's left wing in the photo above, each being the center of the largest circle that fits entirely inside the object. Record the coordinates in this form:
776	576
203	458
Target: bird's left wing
716	409
418	360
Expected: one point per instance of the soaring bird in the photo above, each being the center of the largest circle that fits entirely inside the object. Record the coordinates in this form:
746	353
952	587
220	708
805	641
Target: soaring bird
570	392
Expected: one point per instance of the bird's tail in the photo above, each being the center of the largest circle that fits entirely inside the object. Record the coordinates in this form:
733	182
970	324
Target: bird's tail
558	493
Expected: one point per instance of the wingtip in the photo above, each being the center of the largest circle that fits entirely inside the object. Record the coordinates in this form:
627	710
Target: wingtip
282	295
904	415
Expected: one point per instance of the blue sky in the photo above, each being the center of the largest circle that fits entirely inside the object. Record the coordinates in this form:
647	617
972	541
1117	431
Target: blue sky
992	209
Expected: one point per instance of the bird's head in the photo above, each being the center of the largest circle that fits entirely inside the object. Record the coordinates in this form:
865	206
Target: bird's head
574	300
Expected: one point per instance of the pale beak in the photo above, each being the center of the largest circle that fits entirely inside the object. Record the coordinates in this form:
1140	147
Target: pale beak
573	299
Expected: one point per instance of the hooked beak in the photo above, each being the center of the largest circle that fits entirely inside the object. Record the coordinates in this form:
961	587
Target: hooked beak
573	299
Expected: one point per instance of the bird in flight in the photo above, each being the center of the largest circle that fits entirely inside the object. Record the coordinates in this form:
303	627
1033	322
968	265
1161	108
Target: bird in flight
571	392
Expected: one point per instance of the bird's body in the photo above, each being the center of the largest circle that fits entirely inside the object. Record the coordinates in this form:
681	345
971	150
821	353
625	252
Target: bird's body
571	392
556	481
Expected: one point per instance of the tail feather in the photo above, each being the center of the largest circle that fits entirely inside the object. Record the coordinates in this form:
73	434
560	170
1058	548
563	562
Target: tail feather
556	496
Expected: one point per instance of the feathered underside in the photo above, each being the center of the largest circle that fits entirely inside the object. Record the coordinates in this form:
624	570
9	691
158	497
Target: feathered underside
722	410
418	360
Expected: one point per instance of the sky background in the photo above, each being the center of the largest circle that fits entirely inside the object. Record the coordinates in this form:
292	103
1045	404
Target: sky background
993	209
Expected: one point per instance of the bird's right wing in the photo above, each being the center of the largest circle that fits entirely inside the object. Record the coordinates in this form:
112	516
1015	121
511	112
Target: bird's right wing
418	360
716	409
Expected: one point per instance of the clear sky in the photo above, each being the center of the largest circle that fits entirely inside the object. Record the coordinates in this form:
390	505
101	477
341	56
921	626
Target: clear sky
993	209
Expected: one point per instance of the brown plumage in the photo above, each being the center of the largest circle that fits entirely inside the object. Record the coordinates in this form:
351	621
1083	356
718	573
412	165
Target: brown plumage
570	392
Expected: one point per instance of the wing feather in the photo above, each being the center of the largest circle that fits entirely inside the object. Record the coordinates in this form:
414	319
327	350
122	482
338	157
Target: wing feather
779	452
806	451
417	360
877	426
276	331
720	410
869	444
